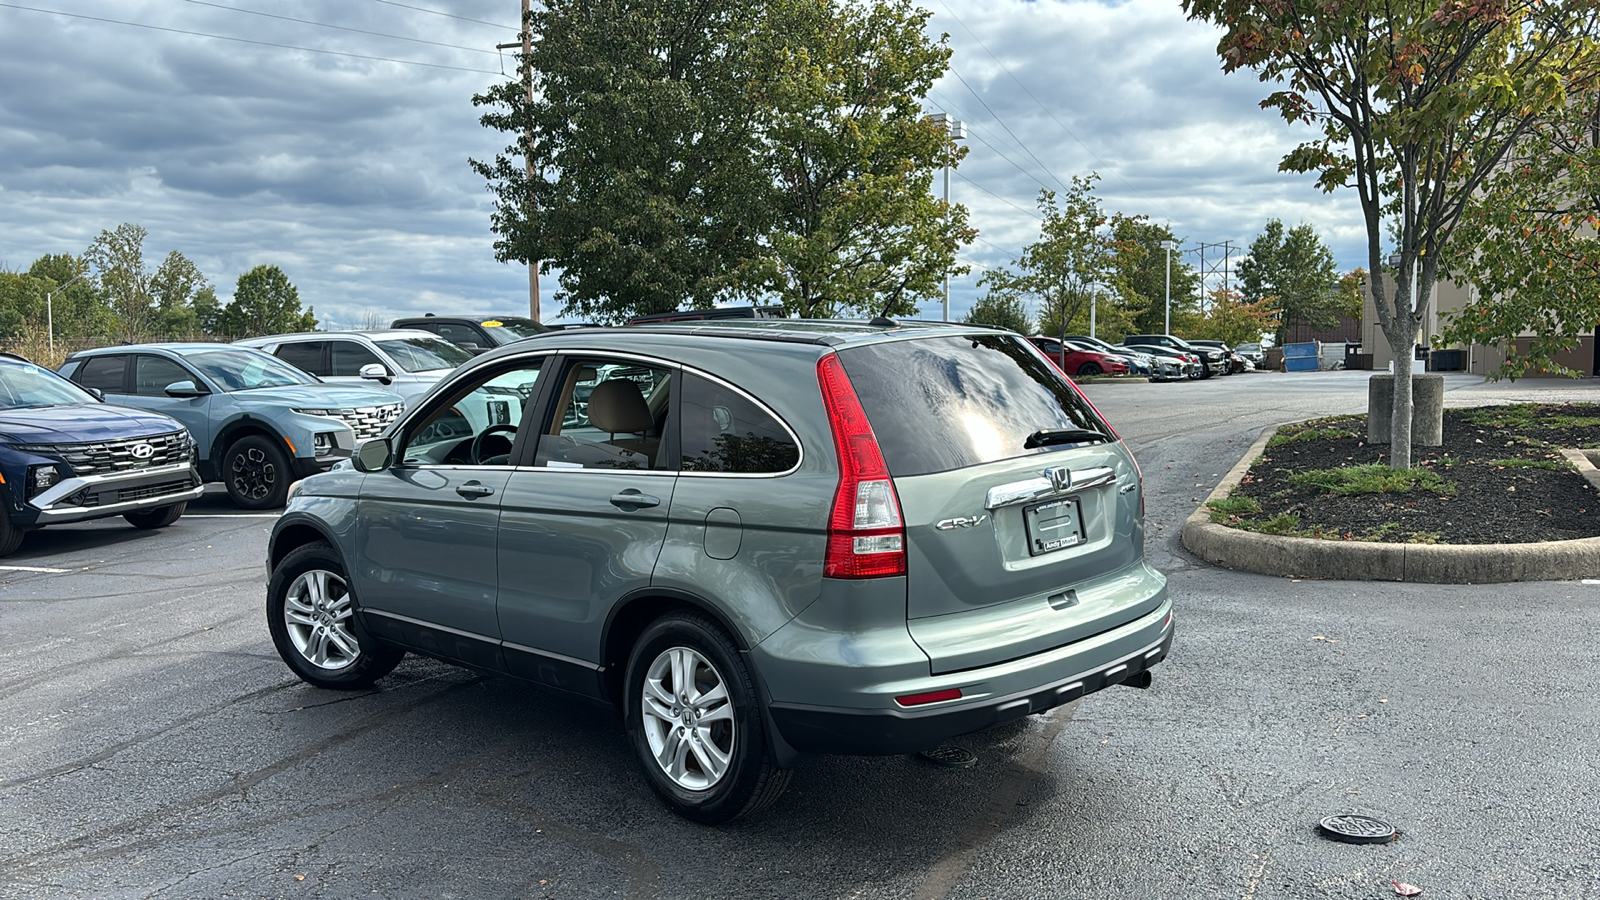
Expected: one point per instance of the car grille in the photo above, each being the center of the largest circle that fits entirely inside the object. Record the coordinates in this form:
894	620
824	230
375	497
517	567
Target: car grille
368	421
92	499
108	457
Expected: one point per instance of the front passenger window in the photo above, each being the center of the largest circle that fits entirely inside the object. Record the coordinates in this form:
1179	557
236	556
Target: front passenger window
475	425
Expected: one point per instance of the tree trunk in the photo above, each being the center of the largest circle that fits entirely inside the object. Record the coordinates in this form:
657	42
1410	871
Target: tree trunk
1400	419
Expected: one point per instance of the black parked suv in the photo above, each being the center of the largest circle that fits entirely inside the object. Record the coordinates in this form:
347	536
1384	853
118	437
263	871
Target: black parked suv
1213	361
480	334
67	456
757	539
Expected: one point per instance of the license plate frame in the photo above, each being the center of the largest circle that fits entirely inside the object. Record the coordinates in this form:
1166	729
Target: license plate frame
1053	526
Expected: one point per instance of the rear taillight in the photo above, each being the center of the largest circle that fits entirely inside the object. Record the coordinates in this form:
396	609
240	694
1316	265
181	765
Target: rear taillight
866	534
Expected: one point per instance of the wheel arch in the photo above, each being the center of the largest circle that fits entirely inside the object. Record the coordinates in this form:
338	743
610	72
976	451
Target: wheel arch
243	426
292	535
632	615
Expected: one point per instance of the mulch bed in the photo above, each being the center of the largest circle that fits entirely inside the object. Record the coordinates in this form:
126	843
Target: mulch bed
1496	489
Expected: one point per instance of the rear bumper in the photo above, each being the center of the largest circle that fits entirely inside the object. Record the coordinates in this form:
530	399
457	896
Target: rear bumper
884	731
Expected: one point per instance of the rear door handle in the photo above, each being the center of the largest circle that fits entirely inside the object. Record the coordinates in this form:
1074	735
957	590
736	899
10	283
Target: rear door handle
631	499
472	490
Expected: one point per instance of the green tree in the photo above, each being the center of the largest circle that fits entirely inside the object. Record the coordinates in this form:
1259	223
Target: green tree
1528	244
264	302
1418	102
1294	270
1071	260
1001	312
687	152
117	258
851	157
1234	319
78	309
634	167
1139	264
21	300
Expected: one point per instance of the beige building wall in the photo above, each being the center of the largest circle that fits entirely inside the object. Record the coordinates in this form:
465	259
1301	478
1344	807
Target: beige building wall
1479	358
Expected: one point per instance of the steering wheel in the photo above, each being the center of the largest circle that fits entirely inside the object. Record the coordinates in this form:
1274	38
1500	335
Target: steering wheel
477	442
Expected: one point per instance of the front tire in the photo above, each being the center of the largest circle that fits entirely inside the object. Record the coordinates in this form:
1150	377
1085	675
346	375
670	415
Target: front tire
156	518
10	535
311	615
693	717
1088	370
256	473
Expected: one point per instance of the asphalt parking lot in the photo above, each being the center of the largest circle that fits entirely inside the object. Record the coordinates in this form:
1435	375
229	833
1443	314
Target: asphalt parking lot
153	745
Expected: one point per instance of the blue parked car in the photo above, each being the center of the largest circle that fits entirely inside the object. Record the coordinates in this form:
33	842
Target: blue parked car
260	423
66	456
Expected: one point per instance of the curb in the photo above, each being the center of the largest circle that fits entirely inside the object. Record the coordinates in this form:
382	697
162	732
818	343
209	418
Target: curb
1299	557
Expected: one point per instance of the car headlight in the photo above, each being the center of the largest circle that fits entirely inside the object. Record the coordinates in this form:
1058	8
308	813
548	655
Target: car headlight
41	479
326	413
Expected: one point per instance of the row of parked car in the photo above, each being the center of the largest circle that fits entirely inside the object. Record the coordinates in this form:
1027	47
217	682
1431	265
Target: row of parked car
757	541
1160	357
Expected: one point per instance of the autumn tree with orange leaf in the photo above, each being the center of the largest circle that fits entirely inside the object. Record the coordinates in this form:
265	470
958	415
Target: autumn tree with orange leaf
1418	102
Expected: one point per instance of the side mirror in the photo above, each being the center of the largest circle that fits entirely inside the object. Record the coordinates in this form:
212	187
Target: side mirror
98	394
474	349
185	389
372	455
375	372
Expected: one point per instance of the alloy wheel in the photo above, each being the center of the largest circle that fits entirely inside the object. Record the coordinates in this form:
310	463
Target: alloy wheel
688	718
253	474
317	613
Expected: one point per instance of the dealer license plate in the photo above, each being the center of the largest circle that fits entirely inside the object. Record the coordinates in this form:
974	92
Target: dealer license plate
1053	526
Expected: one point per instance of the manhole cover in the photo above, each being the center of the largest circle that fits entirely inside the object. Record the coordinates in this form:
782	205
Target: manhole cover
1357	830
951	756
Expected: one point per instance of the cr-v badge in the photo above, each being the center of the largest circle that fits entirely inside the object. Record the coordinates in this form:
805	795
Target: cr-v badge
960	522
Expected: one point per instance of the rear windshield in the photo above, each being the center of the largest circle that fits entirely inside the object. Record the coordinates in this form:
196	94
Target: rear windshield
423	354
948	402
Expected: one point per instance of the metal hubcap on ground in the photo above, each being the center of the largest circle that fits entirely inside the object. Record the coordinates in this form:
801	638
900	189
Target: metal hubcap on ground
317	613
688	718
253	474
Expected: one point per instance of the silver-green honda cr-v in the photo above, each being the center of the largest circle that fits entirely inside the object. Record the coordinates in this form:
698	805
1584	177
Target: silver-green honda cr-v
757	539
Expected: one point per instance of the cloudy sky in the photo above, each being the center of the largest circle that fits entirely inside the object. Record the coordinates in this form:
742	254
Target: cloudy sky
331	138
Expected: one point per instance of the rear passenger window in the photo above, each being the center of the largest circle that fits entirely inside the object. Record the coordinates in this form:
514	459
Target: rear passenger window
608	415
303	355
724	431
103	373
349	357
152	374
945	403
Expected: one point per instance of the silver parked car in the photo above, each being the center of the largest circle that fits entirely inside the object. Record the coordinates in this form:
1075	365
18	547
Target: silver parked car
757	539
401	361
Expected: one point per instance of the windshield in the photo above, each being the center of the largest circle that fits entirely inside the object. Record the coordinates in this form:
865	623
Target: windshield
510	328
25	384
420	354
241	370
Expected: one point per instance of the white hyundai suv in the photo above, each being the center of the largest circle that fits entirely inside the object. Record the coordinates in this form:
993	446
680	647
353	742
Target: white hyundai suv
404	362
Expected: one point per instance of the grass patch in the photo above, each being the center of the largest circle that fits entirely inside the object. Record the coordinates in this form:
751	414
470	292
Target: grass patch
1331	428
1231	509
1282	524
1525	416
1550	464
1374	478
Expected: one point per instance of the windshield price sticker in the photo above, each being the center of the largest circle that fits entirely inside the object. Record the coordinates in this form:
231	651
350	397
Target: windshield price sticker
1053	526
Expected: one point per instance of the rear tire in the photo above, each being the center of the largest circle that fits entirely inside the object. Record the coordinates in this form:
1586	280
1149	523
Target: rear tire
702	743
156	518
311	615
256	473
10	535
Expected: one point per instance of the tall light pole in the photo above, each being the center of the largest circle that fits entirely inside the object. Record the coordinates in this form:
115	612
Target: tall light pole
526	44
1168	246
957	130
50	313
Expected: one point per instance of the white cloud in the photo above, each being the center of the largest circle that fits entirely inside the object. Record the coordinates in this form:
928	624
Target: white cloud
352	175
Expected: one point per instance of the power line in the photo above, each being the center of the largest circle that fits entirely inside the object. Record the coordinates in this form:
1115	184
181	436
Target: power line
1037	101
445	14
998	197
224	37
1002	124
396	37
1012	253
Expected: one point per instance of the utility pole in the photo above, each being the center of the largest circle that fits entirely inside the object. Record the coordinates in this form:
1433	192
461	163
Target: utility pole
957	130
1168	246
527	74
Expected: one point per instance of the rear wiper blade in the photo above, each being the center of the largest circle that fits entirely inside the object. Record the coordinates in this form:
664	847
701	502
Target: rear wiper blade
1049	436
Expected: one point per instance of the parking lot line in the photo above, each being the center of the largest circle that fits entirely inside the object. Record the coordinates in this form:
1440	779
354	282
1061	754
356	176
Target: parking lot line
33	569
230	515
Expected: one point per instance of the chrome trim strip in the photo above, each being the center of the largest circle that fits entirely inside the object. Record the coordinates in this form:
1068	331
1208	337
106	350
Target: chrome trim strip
81	513
555	656
1040	488
484	638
